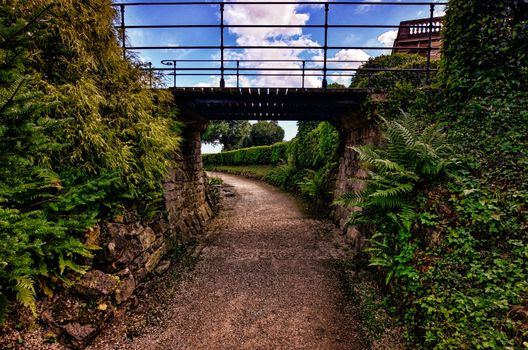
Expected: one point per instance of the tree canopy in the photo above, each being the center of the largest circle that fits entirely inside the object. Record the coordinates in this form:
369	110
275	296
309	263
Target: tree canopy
264	133
230	134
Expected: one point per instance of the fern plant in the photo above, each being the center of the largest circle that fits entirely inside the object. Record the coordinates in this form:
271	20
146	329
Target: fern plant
409	155
315	185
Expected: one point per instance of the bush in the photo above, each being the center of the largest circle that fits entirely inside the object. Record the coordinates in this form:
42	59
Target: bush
317	148
265	155
386	80
454	250
80	136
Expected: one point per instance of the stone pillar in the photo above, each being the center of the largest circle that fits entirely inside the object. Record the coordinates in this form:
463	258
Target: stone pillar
355	130
185	188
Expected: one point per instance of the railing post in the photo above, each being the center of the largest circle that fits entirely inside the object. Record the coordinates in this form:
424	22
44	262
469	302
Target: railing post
150	74
174	72
238	74
123	44
325	48
222	81
430	45
304	65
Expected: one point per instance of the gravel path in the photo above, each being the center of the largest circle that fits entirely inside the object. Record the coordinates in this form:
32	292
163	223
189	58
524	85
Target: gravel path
266	280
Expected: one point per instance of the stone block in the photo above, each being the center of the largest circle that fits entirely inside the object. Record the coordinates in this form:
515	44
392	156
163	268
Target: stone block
97	283
162	267
79	332
140	274
125	289
147	237
155	258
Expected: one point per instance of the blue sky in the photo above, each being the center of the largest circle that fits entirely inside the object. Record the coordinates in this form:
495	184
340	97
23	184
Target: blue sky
265	14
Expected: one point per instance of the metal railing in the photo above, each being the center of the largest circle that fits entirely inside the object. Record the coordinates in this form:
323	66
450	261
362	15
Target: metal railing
320	68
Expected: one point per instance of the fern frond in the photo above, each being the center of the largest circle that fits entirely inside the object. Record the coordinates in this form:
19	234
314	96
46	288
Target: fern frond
394	191
350	199
64	263
25	292
356	218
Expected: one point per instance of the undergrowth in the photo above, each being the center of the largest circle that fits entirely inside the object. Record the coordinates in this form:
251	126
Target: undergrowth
451	247
81	138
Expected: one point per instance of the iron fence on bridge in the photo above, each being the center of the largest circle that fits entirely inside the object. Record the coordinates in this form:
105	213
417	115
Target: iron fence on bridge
301	68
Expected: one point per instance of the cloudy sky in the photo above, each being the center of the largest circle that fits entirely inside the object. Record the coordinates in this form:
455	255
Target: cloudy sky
292	14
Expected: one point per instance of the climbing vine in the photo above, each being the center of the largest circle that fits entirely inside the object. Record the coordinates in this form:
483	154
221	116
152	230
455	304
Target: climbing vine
453	253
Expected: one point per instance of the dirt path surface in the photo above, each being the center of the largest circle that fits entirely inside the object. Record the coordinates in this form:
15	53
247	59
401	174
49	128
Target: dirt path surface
266	280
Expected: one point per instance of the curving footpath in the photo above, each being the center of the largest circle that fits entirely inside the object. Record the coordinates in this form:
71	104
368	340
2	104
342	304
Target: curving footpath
266	280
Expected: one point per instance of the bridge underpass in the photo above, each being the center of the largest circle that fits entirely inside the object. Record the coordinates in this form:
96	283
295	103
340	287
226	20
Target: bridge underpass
239	70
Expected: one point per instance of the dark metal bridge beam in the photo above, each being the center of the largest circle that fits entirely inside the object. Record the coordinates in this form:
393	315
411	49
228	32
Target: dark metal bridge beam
269	103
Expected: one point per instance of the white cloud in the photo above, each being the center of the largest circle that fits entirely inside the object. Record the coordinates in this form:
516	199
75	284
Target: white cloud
365	8
387	38
440	10
355	59
281	14
213	82
264	14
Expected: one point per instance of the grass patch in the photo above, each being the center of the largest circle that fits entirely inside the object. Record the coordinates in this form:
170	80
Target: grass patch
360	287
254	171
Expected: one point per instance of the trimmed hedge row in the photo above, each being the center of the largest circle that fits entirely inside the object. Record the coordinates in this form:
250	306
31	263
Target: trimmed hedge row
268	155
311	151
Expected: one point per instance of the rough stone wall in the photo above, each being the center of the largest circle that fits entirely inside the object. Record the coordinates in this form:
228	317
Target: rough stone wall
185	190
132	250
356	130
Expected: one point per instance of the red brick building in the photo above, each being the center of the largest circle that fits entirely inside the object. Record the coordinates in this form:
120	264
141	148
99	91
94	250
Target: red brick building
415	34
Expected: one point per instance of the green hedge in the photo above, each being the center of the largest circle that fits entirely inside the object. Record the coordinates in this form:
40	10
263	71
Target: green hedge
311	151
268	155
317	148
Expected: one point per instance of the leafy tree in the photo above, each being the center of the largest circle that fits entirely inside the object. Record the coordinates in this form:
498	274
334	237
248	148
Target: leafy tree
230	134
305	126
264	133
386	80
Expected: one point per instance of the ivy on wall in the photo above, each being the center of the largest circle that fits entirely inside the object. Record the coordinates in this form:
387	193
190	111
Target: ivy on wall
454	256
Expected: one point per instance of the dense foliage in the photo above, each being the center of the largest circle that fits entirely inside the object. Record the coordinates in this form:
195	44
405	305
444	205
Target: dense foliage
264	133
81	138
453	246
230	134
303	164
